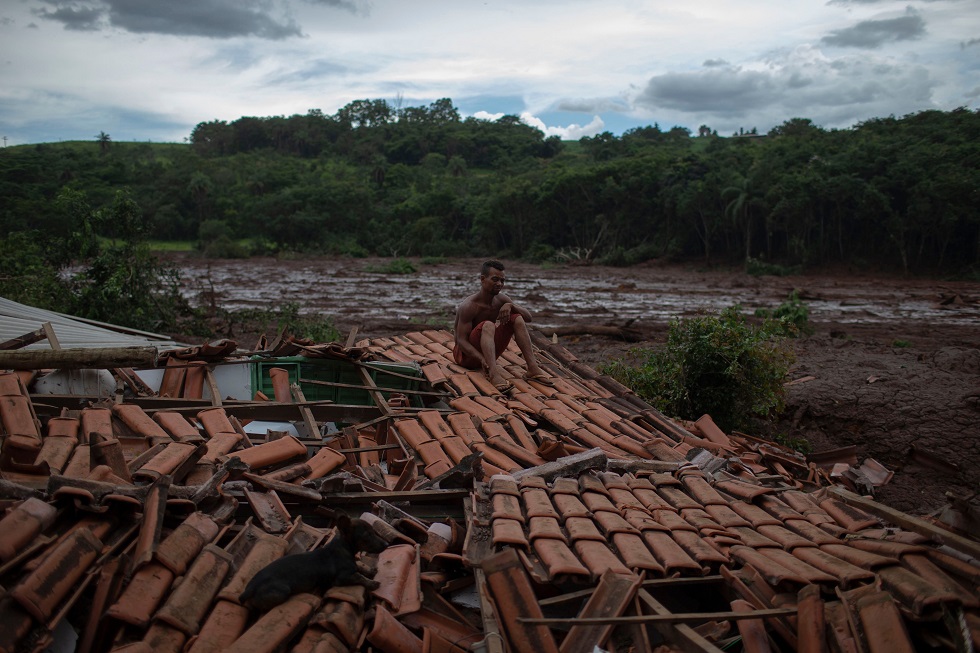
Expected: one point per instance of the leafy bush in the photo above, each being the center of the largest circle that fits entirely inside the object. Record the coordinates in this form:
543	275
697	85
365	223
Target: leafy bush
315	326
27	277
721	365
901	344
394	266
758	268
540	253
793	314
225	247
623	257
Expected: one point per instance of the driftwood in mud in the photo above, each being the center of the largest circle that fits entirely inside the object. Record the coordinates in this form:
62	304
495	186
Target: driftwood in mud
78	359
626	333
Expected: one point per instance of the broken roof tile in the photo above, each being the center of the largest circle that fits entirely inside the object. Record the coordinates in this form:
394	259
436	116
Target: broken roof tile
191	600
398	575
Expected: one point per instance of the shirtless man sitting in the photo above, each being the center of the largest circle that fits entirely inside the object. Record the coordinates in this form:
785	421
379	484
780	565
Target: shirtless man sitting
485	324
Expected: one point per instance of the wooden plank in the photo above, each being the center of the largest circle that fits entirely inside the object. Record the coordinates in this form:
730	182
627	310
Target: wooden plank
372	389
78	359
908	522
668	618
612	596
662	583
312	428
352	337
409	495
22	341
212	386
355	386
493	640
51	335
680	634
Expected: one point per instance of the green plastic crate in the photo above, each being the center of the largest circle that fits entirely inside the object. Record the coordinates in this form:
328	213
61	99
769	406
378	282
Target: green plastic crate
336	371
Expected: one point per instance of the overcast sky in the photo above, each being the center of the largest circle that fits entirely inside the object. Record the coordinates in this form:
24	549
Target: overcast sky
152	69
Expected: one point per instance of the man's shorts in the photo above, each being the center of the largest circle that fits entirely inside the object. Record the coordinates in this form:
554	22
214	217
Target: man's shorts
501	338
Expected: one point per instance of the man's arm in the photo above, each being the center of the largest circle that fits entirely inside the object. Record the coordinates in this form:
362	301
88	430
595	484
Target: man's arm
464	326
508	307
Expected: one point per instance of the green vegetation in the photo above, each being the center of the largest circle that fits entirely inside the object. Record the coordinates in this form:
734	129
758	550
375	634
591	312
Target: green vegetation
723	366
901	344
793	314
394	266
376	180
271	322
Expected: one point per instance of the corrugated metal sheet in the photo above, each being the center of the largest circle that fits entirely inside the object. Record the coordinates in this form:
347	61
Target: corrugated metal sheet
19	319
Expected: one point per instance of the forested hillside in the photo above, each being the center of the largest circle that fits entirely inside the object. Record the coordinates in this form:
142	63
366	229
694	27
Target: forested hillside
895	193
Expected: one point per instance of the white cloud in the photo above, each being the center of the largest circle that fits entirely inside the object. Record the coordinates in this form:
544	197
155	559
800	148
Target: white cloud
574	68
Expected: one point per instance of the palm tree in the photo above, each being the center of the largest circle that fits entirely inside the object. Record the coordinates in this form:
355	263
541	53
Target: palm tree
739	208
104	140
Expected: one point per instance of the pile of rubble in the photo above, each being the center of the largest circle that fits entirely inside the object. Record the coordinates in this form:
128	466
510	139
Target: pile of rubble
566	514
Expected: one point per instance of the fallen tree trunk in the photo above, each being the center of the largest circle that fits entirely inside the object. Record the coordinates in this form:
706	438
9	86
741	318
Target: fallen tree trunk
623	332
78	359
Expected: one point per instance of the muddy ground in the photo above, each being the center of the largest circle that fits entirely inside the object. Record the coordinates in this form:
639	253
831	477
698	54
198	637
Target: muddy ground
895	361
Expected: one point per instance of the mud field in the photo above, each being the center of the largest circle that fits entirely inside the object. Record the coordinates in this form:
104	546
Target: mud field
895	361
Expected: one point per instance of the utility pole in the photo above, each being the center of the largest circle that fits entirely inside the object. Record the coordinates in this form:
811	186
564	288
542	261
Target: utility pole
5	141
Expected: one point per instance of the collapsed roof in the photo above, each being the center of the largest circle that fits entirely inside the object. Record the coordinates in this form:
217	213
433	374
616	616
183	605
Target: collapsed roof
566	514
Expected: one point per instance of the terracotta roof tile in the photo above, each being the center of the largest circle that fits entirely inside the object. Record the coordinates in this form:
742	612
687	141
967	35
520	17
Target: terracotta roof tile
568	530
191	599
882	624
670	554
277	626
388	634
538	503
226	622
583	528
508	531
398	574
144	593
848	574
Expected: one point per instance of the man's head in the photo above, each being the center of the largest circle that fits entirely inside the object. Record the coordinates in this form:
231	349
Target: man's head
492	276
491	265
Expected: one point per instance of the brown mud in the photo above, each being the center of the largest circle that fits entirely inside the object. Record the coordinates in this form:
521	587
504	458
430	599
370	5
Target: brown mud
895	361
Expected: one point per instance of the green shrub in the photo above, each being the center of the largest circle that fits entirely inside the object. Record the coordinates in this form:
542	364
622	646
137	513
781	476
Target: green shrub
224	247
540	253
722	366
793	314
27	277
758	268
901	344
316	327
394	266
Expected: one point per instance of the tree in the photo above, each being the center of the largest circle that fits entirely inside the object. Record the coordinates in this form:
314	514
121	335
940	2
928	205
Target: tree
104	141
739	209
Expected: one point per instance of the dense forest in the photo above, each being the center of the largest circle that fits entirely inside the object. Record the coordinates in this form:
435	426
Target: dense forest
891	193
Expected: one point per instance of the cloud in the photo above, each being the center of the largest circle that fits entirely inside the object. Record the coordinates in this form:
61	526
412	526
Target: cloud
83	19
968	44
590	105
804	82
711	63
571	132
219	19
875	33
354	7
722	90
872	2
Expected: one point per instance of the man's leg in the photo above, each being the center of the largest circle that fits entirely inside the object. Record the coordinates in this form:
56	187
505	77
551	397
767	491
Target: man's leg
489	349
523	339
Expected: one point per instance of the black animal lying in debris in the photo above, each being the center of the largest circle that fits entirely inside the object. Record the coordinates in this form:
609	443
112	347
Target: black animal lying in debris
317	570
